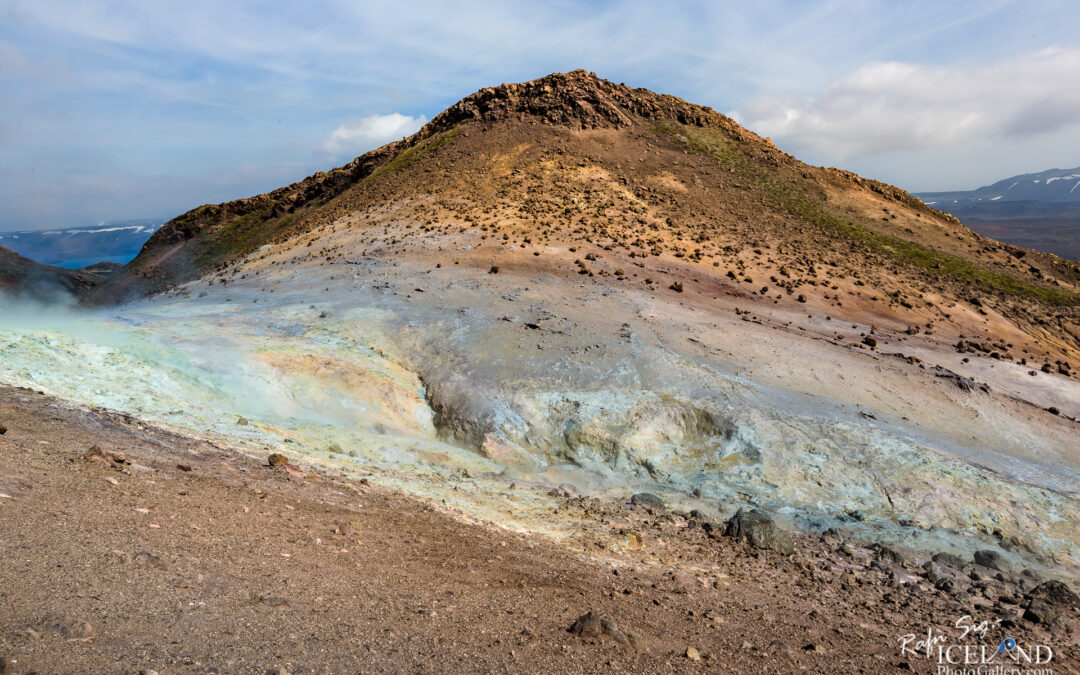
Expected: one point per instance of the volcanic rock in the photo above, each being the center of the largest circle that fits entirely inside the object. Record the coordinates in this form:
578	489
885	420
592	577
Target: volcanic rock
757	528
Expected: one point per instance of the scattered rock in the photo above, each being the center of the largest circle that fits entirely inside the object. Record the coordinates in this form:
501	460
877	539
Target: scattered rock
76	631
993	560
94	454
946	585
494	269
116	456
3	430
183	467
890	554
335	449
591	625
293	471
277	459
758	529
870	341
270	601
677	287
150	560
647	499
693	654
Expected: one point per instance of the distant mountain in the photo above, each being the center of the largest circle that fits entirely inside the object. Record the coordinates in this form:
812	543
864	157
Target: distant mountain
1034	210
75	248
1053	186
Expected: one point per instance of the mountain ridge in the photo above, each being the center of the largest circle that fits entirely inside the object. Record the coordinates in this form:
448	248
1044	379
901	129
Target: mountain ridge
1050	186
1035	210
76	247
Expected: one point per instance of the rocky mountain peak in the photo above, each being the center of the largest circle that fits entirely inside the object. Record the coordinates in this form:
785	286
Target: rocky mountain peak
578	99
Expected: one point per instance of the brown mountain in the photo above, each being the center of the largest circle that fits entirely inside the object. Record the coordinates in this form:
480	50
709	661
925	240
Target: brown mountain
584	176
25	277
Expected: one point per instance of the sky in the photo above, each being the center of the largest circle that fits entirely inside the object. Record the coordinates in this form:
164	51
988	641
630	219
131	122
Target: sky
130	109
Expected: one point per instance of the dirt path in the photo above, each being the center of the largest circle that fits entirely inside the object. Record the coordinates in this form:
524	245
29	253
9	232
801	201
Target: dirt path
186	558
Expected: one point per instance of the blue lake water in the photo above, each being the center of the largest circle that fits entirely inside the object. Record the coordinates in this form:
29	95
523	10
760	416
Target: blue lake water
79	263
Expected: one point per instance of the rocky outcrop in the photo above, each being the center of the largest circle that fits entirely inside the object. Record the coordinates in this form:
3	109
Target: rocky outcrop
582	100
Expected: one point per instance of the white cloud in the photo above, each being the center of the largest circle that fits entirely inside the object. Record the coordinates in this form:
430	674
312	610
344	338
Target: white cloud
357	136
897	106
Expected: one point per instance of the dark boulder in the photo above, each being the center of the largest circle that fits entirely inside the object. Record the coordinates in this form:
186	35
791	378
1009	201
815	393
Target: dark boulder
647	499
993	560
1049	601
593	626
950	560
758	529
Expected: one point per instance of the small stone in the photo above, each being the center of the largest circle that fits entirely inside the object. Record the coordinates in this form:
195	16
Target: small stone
183	467
147	671
946	585
77	631
870	342
150	560
890	554
647	499
116	456
242	422
3	430
277	459
494	269
335	449
271	601
693	654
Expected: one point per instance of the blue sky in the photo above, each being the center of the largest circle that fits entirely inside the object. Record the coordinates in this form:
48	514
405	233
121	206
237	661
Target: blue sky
112	110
